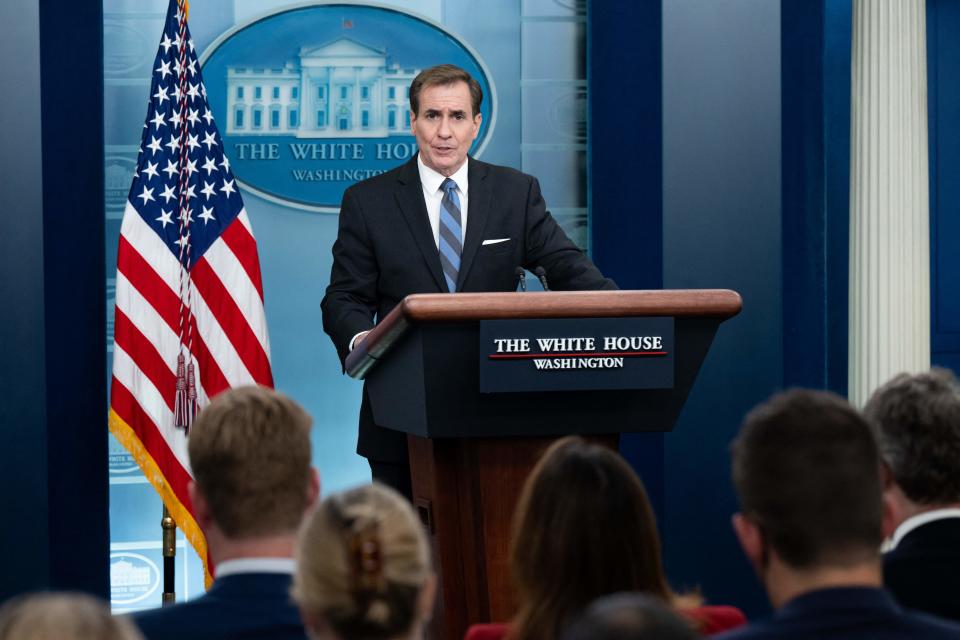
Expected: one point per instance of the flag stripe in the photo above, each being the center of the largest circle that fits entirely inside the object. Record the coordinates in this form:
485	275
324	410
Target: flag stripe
244	247
153	405
232	322
148	282
219	348
149	360
221	351
223	261
140	292
147	322
127	407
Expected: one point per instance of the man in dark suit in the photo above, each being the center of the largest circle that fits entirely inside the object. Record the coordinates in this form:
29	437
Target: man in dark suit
442	222
250	455
807	471
917	422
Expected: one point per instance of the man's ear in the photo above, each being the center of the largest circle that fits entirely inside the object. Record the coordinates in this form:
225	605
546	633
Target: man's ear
313	488
750	539
201	510
886	477
889	520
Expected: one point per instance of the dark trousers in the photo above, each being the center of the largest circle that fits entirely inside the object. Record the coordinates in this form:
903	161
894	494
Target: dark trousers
393	474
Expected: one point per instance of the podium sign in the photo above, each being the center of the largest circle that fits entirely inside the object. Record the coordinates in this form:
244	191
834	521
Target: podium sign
576	354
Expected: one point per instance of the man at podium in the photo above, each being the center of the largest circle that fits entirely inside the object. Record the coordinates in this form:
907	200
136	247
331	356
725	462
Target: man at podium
443	222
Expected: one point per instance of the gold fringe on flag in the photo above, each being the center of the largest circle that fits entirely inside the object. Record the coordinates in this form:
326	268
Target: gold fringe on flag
125	435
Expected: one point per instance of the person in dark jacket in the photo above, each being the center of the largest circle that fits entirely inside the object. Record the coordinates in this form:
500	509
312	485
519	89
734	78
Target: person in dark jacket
917	422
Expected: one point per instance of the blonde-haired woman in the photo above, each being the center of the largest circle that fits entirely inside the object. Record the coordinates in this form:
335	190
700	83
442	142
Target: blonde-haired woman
62	616
363	568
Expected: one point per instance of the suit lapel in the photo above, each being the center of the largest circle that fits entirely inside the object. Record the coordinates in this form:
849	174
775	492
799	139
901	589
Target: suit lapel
409	197
478	206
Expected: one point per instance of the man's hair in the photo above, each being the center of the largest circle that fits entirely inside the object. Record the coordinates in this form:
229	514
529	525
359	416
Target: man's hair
250	456
807	471
917	422
444	75
631	616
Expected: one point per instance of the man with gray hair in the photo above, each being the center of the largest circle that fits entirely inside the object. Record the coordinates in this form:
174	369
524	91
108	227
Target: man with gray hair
917	422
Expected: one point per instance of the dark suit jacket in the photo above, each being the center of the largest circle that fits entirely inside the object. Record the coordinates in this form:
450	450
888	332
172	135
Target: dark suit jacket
851	613
923	571
385	250
249	605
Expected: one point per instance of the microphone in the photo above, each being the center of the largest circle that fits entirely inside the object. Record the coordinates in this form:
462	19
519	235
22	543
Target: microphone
522	277
541	274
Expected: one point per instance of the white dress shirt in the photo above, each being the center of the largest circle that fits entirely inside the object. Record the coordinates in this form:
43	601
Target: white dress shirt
255	565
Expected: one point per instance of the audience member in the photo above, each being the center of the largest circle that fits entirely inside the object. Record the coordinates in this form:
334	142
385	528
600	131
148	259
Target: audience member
253	483
363	568
630	616
917	421
62	616
807	470
583	529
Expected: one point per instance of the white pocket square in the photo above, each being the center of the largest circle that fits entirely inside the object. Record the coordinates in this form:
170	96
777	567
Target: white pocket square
494	241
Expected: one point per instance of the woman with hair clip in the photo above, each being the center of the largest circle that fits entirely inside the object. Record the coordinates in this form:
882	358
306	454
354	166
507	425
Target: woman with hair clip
363	568
583	529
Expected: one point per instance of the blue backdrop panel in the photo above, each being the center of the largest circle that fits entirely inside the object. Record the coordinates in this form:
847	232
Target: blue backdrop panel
722	228
52	416
816	176
625	173
23	414
943	65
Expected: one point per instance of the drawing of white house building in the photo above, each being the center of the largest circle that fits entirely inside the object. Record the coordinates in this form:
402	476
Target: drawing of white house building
342	89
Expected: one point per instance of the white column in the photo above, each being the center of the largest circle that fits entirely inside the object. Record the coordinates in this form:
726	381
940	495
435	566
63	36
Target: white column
889	195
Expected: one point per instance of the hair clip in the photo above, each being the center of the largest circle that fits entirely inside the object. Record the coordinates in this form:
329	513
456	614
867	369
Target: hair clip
367	559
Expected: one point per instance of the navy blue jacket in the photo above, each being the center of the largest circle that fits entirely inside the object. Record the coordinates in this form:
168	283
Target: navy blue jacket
246	605
852	613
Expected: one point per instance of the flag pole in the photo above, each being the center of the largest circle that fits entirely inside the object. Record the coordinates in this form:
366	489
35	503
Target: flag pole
169	557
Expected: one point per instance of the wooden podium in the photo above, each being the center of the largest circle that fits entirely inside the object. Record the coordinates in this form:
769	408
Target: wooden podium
470	452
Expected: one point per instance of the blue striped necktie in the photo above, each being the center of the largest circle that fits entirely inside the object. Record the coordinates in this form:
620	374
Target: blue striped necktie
451	233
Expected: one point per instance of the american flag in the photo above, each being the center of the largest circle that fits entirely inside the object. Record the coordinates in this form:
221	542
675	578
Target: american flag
189	299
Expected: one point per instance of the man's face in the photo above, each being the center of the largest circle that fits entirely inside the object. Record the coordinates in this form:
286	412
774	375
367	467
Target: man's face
445	126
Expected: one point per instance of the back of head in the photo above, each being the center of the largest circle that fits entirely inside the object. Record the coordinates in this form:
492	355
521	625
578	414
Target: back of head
583	528
250	456
917	421
630	616
807	471
62	616
362	562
